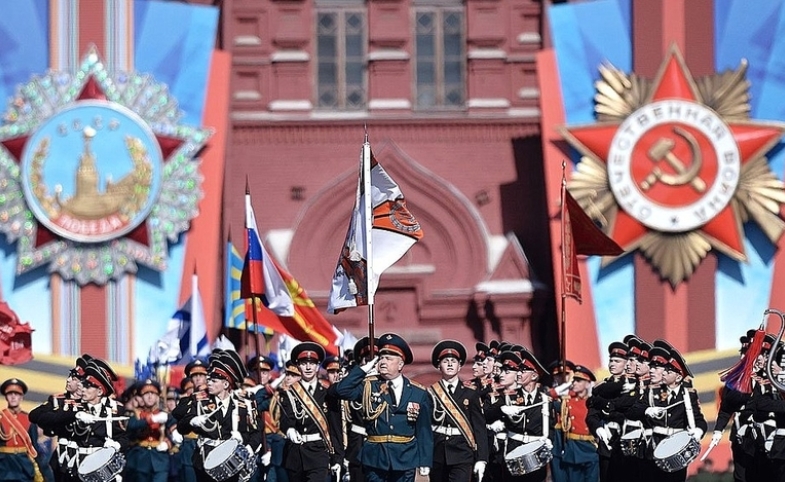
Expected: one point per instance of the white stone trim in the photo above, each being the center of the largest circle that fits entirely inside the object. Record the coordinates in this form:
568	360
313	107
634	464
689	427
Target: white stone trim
291	105
290	56
526	38
502	287
486	54
524	112
389	104
247	95
488	103
529	93
247	41
388	54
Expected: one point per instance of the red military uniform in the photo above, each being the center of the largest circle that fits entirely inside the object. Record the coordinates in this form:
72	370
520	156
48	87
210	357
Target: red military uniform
17	438
579	460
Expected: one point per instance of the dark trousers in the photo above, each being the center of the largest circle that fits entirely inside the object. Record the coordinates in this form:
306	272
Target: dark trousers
536	476
310	475
378	475
356	472
451	473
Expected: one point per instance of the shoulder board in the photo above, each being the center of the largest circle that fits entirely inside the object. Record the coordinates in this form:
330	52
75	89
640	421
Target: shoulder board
416	384
201	395
324	383
469	385
371	378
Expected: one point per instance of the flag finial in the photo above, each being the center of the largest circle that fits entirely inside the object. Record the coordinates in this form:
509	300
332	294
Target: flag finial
247	186
366	132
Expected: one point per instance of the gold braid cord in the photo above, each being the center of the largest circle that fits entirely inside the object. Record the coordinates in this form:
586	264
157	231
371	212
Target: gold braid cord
369	413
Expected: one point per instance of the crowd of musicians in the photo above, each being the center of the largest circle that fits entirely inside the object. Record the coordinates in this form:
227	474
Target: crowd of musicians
359	418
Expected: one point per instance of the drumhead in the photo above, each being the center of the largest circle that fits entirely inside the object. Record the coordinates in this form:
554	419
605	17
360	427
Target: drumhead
220	453
672	445
524	449
95	460
635	434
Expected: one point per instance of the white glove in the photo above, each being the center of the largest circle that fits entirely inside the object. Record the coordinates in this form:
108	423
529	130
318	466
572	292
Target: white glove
265	459
277	382
236	435
511	410
250	450
294	436
199	421
655	412
370	365
112	444
716	437
605	435
86	418
162	447
563	388
424	471
335	468
177	439
479	469
160	417
548	443
254	389
696	433
497	426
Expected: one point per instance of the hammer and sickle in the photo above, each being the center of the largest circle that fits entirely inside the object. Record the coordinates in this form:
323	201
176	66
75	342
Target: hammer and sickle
663	150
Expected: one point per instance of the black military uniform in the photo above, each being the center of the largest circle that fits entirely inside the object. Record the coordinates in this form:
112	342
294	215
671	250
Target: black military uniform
49	415
668	409
460	440
195	369
311	422
218	416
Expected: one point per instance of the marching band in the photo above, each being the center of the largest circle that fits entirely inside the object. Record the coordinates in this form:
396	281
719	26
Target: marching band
509	419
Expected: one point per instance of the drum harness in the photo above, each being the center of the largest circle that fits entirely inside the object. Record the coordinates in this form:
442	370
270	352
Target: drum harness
521	419
668	431
70	453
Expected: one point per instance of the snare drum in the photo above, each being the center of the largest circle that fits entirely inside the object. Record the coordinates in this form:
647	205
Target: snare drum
631	443
528	458
228	459
101	466
676	452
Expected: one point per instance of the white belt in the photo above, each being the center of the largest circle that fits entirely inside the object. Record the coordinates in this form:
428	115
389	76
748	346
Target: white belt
359	429
446	430
88	450
613	426
311	437
666	430
212	442
780	432
524	438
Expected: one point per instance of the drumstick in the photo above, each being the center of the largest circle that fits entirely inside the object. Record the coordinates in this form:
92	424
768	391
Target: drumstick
708	451
110	419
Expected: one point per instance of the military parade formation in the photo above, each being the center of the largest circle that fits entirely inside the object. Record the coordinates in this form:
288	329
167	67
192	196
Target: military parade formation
359	418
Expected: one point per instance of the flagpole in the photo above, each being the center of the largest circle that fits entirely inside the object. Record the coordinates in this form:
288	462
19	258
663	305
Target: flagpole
368	224
247	333
563	350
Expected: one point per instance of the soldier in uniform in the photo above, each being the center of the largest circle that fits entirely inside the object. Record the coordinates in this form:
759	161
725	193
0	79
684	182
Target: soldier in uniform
667	406
98	424
150	435
312	424
460	437
396	414
195	381
18	437
218	415
579	459
524	412
605	426
48	415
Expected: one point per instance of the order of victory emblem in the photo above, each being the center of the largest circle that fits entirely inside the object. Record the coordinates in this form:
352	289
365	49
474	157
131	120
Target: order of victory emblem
674	167
96	174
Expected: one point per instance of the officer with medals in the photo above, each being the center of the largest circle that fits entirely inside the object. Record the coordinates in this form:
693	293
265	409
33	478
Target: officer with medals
396	414
98	425
578	459
48	415
218	416
195	381
605	426
150	431
668	407
18	437
460	440
311	422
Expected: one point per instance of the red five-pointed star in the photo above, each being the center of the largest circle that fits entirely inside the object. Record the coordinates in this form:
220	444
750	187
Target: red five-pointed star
752	139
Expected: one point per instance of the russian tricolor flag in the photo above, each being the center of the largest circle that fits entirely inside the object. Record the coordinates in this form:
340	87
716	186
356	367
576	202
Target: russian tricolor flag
259	277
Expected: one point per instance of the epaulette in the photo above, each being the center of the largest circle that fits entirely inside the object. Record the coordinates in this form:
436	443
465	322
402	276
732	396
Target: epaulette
325	383
371	378
416	384
469	385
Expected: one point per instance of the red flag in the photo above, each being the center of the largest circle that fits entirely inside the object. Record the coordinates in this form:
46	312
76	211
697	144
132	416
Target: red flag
307	324
579	236
16	344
